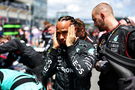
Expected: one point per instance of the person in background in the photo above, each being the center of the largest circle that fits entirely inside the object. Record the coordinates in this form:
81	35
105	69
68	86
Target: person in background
20	52
127	21
47	35
22	35
82	33
36	33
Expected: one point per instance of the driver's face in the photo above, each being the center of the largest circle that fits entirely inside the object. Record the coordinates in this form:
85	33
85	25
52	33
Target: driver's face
62	30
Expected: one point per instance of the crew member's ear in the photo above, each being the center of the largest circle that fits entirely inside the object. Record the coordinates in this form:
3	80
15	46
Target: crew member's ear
102	16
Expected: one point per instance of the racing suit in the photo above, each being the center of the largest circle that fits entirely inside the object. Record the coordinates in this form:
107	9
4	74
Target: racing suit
29	56
72	66
117	42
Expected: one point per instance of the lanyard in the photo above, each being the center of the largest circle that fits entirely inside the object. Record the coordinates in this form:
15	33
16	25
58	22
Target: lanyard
109	37
113	32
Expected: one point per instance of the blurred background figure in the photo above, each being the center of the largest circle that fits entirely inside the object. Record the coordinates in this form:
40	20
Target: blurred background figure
35	36
127	21
84	34
47	35
23	35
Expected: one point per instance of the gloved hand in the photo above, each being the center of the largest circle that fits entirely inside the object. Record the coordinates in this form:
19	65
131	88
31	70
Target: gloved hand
131	82
101	65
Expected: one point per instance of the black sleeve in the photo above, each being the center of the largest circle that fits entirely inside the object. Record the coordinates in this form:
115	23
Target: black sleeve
9	61
48	68
82	58
8	47
131	44
50	62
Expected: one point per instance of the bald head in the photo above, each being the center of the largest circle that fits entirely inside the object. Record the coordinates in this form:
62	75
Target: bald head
103	8
103	17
